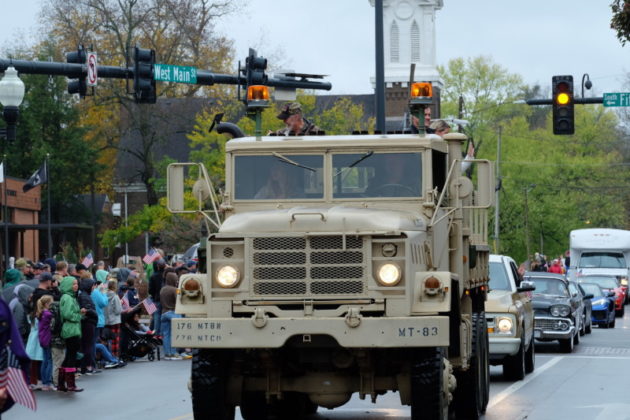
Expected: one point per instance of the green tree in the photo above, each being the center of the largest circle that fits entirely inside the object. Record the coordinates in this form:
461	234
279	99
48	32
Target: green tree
620	21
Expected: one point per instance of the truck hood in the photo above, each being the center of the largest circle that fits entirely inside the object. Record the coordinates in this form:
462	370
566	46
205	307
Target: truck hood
499	301
326	219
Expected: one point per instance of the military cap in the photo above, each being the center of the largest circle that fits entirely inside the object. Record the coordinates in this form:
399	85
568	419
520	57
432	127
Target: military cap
289	109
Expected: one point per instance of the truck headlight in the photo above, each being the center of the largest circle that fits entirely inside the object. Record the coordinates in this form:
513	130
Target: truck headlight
624	281
504	325
560	310
227	276
388	274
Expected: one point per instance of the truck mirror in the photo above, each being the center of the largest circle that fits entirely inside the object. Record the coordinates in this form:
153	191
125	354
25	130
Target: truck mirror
175	188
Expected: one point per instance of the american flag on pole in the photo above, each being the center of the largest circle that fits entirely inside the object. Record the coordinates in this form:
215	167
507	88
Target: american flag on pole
12	377
149	306
88	260
151	256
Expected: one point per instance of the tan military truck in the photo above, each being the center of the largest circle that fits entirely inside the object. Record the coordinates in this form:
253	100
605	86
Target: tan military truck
339	265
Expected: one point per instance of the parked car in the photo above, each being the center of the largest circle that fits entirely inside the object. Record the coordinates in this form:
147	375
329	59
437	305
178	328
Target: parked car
587	307
557	314
608	283
510	319
603	313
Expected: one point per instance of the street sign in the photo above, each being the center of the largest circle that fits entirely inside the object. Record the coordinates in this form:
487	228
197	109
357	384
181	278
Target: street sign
92	76
617	99
177	74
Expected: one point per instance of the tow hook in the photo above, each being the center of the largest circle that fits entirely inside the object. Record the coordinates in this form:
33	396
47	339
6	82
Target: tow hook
353	318
259	319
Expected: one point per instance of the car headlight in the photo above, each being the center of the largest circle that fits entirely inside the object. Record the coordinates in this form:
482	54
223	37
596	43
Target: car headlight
227	276
388	274
504	325
560	310
599	302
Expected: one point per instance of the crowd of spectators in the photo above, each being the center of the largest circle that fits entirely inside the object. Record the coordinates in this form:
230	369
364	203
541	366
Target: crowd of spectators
75	320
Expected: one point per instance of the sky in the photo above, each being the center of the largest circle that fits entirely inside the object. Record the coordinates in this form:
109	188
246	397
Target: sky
535	39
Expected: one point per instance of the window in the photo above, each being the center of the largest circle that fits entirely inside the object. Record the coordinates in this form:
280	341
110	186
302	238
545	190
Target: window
549	286
602	260
394	47
372	174
499	277
415	42
278	177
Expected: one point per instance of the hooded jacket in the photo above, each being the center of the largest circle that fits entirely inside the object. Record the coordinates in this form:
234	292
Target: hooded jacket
168	294
69	308
20	308
100	303
114	309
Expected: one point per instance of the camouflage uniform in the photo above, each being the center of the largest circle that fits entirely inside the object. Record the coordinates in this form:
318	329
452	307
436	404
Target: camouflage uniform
308	128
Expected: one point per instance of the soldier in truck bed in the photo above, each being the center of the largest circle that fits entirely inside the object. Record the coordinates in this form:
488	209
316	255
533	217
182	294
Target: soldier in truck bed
296	124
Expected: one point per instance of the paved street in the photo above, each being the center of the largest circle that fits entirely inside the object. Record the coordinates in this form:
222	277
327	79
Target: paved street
591	383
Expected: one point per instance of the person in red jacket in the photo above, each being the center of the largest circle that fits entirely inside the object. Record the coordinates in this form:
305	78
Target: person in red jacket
556	267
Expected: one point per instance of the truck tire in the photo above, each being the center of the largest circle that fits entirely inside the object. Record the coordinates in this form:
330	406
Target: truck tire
473	386
530	356
209	373
514	366
427	383
254	406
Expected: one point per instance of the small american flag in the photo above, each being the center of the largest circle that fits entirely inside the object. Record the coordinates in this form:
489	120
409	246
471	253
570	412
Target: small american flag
12	377
125	302
151	256
149	306
88	260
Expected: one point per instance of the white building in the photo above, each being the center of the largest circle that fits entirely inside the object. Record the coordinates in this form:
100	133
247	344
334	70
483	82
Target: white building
409	37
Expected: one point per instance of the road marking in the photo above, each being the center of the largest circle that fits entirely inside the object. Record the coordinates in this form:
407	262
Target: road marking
518	385
184	417
579	356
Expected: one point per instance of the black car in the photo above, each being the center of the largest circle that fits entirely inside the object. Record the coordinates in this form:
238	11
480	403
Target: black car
587	308
558	313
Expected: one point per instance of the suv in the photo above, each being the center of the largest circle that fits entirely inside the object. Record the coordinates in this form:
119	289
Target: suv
510	319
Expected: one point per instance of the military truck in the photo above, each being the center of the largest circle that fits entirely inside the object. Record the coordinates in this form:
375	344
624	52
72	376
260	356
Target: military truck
339	265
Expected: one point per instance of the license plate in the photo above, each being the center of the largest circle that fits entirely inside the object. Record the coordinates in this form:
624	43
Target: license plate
537	334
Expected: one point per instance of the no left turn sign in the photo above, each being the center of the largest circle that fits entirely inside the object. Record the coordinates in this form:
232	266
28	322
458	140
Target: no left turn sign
91	64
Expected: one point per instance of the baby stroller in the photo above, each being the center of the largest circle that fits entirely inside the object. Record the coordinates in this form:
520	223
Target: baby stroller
137	343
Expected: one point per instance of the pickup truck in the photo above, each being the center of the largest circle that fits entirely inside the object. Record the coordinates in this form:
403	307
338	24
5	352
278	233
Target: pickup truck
510	319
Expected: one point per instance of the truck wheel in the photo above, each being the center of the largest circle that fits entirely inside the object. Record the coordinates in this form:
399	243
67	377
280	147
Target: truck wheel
209	375
530	357
473	387
427	385
514	366
566	345
254	406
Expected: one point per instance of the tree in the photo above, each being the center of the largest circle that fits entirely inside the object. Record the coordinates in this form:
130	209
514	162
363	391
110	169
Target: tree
181	32
620	21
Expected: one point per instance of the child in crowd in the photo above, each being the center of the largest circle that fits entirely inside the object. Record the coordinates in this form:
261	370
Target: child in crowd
45	318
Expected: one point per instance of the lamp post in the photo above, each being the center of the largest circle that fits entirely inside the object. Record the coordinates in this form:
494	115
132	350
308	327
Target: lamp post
11	95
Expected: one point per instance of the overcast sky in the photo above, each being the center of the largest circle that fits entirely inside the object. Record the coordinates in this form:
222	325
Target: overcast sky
536	38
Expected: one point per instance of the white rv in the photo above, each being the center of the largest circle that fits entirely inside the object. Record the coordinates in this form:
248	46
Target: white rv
600	251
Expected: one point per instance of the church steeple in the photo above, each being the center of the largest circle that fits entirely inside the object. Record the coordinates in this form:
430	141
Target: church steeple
409	37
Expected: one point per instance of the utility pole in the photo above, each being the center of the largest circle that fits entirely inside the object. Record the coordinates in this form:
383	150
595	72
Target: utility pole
527	190
497	192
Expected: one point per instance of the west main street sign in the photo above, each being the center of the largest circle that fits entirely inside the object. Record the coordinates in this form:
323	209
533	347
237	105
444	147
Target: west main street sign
617	99
177	74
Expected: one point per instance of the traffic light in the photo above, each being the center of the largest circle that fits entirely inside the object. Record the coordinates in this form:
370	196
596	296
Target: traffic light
563	104
143	80
78	85
255	69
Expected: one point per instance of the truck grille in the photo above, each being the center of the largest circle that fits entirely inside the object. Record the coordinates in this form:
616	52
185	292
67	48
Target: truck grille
317	265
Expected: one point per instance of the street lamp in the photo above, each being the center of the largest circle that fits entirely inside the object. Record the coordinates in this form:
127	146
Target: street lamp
11	95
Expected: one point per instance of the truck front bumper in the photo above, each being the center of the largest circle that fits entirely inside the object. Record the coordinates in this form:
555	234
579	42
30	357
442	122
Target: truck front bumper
419	331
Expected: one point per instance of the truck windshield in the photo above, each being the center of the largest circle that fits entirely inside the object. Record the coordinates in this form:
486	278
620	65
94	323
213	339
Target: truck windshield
278	177
368	174
602	260
499	277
